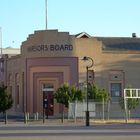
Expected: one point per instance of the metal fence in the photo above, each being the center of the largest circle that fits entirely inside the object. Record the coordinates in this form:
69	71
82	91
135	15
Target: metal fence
100	110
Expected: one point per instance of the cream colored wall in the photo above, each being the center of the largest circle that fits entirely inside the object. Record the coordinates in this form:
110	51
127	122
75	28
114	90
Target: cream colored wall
90	47
104	61
122	60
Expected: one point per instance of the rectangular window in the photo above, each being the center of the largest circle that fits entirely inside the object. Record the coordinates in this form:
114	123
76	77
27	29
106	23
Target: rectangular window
115	91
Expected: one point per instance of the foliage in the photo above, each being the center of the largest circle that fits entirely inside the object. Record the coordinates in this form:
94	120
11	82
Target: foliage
64	94
6	100
75	94
97	93
131	103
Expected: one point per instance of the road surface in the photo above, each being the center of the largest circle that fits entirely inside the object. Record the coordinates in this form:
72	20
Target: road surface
70	132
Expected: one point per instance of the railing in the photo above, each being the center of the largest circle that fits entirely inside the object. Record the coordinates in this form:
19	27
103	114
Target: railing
131	93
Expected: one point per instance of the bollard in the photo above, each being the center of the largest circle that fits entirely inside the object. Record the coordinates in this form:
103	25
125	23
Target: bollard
36	115
25	118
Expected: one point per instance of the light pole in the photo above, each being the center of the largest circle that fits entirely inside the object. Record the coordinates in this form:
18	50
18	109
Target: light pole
86	58
45	104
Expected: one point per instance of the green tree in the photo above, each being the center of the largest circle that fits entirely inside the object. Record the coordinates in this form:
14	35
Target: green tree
75	94
62	94
131	103
65	94
97	93
6	101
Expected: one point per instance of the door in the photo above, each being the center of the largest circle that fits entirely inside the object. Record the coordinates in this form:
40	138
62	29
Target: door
48	102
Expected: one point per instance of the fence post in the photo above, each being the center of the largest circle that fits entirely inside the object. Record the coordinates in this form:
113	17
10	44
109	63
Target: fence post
126	112
25	117
108	110
103	109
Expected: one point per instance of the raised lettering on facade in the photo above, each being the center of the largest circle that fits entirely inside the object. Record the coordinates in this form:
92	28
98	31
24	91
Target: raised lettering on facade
51	47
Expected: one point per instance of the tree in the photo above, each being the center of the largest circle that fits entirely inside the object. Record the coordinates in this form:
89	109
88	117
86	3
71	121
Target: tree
6	100
131	103
97	94
64	94
75	94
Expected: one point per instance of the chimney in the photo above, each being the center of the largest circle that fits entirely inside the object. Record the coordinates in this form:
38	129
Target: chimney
134	35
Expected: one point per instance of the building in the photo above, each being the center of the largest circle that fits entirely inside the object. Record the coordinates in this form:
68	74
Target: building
50	58
5	54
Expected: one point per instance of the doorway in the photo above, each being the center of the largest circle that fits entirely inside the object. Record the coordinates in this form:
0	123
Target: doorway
48	100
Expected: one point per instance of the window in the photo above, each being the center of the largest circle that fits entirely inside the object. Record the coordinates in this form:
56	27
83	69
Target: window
115	91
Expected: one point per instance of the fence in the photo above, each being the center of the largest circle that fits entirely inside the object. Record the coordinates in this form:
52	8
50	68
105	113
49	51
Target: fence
96	109
100	110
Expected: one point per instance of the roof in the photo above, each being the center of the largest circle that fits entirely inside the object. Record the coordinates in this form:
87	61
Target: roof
83	35
120	43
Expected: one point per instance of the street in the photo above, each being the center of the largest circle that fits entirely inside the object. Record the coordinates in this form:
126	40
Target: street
70	132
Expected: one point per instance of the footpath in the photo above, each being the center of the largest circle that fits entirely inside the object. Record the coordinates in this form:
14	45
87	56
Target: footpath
78	122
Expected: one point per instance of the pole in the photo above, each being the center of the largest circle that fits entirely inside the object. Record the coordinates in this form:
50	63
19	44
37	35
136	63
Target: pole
103	109
126	112
46	12
0	42
1	62
125	106
43	107
87	111
85	58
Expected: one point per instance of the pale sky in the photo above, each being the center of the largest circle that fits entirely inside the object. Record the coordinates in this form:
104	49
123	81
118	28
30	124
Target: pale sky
116	18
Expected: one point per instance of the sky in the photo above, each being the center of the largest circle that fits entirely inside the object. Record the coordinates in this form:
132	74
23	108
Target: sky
108	18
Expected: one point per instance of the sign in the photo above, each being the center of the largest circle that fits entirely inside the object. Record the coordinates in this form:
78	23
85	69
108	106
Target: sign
51	47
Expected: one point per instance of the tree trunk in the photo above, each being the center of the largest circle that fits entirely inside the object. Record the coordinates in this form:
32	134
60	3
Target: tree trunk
129	114
62	114
5	117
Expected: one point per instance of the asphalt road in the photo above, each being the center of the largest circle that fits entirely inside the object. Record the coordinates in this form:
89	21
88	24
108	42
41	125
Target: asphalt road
70	132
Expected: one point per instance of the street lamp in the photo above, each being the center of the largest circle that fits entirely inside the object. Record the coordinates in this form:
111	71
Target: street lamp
86	58
45	104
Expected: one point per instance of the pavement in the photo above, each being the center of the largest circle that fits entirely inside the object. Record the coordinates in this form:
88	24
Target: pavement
68	130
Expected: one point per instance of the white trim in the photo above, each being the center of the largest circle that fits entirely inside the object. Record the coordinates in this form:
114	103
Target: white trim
133	95
136	93
82	34
48	89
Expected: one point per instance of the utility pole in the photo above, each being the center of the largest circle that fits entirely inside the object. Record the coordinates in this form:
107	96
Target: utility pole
0	42
1	59
46	12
